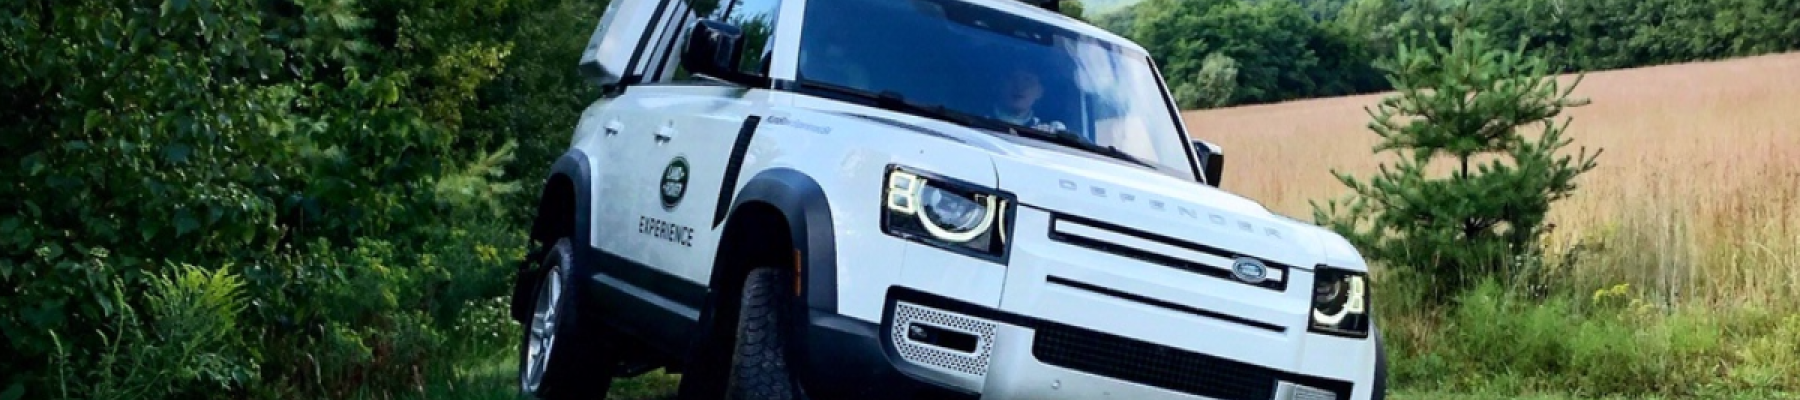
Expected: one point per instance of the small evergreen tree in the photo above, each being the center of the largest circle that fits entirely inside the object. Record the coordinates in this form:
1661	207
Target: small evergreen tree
1469	104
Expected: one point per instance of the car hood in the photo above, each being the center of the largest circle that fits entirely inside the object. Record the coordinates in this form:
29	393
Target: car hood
1141	199
1077	183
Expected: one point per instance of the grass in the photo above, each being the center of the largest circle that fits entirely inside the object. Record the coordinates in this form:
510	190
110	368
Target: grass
1551	396
1688	238
495	377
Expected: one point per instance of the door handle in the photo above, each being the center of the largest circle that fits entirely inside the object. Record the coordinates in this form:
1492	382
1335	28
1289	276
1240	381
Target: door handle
613	127
666	132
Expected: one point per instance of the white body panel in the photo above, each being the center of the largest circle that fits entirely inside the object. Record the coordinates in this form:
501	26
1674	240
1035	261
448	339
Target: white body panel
848	158
698	125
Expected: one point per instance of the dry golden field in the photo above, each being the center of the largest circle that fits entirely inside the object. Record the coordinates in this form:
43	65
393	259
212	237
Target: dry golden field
1696	195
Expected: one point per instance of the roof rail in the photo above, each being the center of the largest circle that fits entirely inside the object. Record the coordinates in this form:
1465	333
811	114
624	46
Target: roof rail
1052	5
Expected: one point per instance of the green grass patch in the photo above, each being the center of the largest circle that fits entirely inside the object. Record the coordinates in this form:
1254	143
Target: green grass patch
1745	395
496	377
1498	343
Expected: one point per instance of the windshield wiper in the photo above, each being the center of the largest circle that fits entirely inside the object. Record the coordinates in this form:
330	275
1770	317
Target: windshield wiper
896	102
1068	138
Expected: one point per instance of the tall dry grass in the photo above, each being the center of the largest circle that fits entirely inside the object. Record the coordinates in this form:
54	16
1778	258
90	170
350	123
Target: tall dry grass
1697	197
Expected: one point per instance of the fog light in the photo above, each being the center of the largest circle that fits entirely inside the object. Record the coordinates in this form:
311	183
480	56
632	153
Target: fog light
1295	391
940	337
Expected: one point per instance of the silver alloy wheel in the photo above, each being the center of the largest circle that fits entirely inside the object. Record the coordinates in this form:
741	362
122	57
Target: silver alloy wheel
543	332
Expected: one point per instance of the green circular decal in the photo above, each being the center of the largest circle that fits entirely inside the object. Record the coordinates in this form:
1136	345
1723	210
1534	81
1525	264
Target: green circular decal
674	182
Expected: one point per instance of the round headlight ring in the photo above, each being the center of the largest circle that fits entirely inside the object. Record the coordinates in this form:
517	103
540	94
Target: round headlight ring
1353	303
988	208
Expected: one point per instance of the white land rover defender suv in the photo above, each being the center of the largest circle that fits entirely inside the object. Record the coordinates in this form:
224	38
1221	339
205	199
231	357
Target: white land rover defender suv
916	199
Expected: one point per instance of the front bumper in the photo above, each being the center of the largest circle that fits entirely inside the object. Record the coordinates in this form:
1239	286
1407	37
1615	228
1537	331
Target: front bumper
840	357
1019	357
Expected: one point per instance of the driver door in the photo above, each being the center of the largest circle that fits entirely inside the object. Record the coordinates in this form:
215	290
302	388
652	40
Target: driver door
693	139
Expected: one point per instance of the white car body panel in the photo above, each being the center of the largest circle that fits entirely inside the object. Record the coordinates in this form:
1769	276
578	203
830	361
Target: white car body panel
849	159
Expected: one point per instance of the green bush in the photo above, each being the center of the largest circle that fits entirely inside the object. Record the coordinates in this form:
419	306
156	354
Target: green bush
352	176
187	342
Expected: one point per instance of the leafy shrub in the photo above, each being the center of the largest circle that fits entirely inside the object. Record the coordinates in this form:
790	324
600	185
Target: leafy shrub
190	342
1461	104
348	172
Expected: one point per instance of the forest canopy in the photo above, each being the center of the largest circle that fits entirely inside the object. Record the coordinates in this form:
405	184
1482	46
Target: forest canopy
1295	49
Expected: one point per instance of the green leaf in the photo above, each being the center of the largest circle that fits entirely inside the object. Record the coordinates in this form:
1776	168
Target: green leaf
173	6
177	153
49	252
185	222
15	391
390	93
9	226
106	304
32	164
93	120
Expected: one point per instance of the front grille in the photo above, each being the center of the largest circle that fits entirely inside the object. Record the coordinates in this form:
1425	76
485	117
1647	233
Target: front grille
1091	234
1155	365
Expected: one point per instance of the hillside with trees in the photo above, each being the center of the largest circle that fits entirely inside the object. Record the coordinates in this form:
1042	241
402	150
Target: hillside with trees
1296	49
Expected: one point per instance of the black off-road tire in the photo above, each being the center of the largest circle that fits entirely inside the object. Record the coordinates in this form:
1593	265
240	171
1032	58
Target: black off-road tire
1379	391
582	359
759	368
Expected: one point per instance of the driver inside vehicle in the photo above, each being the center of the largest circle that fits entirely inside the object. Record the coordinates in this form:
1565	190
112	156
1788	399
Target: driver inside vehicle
834	64
1020	90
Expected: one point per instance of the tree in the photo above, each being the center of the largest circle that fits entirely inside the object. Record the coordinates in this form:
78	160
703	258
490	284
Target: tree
1460	103
1073	9
1213	86
1119	21
1346	63
1269	42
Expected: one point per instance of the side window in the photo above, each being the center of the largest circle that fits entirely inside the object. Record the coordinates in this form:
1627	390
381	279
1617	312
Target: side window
757	19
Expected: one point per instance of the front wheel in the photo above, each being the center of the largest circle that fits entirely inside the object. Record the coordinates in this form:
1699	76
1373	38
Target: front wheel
555	363
759	370
1381	368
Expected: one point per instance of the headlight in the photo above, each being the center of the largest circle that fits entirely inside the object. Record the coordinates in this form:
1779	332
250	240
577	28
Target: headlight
1340	304
945	212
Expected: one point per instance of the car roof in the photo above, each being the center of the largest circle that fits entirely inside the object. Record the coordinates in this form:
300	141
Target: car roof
1040	14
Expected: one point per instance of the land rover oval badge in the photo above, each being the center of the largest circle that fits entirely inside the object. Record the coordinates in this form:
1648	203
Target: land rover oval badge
1249	270
674	182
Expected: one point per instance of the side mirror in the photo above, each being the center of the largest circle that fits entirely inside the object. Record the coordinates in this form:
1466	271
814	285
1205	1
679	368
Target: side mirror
1212	161
714	49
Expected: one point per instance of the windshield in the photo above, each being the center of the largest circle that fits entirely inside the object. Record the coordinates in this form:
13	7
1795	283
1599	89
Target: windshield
978	61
